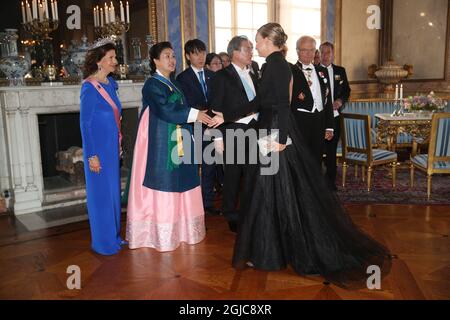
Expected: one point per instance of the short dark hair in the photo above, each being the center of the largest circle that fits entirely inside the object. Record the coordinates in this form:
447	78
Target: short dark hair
210	57
193	46
155	53
93	56
327	44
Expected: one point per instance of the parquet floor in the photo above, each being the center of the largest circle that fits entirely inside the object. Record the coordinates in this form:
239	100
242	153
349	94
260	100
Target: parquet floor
33	264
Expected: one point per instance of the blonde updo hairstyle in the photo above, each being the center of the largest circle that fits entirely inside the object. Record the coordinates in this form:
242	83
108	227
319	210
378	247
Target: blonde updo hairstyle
274	31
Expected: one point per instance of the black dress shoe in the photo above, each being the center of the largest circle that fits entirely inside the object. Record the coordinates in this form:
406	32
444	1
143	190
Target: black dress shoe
212	211
233	226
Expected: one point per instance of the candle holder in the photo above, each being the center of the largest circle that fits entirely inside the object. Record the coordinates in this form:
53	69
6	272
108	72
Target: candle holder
123	71
107	23
112	29
50	72
41	29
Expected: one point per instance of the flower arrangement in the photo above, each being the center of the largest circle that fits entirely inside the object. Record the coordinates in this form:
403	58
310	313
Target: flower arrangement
424	103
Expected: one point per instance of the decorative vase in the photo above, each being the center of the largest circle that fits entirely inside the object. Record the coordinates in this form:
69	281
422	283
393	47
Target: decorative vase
13	66
4	47
390	74
136	65
146	62
78	54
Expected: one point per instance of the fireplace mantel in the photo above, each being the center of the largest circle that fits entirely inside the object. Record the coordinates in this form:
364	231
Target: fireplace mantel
20	154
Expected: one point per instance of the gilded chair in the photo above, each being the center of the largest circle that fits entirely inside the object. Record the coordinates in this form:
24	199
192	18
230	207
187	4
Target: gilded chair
357	147
438	158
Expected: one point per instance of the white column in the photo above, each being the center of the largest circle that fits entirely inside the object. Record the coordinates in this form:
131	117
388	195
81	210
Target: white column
5	175
27	146
25	193
13	146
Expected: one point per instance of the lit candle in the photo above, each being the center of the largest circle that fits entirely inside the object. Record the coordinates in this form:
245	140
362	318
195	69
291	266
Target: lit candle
56	9
35	11
401	92
95	17
24	20
113	13
396	92
52	4
29	16
101	17
122	14
98	17
41	13
128	13
46	9
106	14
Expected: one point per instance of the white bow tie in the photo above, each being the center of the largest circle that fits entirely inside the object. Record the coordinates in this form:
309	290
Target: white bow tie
309	66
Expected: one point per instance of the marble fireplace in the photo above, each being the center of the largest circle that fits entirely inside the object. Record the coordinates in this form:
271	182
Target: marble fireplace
22	110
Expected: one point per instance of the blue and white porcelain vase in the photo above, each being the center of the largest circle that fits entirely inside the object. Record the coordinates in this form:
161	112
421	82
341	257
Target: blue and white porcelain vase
78	54
13	66
146	62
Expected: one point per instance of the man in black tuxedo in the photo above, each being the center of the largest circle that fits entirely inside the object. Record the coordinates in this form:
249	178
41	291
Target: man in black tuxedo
233	88
311	98
340	92
195	82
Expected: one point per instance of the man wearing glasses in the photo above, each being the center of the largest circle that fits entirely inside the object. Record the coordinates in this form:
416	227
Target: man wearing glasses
311	100
233	88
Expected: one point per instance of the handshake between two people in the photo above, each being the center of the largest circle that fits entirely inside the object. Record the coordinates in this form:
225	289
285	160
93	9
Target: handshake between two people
212	122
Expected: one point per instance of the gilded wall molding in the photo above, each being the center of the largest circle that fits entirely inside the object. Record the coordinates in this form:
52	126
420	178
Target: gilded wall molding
211	24
153	20
338	32
161	21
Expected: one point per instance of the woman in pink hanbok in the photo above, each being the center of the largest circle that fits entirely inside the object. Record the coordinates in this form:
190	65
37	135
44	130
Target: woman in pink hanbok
165	201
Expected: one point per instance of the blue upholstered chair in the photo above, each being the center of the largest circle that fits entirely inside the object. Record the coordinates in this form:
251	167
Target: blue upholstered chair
357	147
438	158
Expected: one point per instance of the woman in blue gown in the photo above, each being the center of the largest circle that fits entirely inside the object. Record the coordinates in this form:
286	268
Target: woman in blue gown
100	111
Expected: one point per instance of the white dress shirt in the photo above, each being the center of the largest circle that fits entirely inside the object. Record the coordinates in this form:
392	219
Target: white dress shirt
315	89
245	74
196	71
331	76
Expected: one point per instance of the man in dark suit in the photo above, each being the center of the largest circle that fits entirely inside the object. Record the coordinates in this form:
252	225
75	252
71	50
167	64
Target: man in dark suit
311	98
195	82
234	88
340	92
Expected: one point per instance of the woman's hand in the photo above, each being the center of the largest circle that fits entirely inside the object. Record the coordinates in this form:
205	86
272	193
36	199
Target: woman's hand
94	164
217	119
218	146
204	118
277	147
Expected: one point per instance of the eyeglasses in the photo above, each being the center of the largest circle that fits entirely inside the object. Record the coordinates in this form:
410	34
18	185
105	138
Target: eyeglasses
216	63
306	50
247	49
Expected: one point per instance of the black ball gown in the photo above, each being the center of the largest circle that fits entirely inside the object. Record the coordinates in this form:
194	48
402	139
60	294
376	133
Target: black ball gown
292	217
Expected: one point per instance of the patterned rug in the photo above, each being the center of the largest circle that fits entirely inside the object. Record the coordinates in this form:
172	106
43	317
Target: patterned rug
381	192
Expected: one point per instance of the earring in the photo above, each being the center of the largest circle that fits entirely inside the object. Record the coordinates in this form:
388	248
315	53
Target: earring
99	68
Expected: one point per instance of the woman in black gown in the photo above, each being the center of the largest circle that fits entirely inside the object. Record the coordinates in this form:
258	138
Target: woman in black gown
292	217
